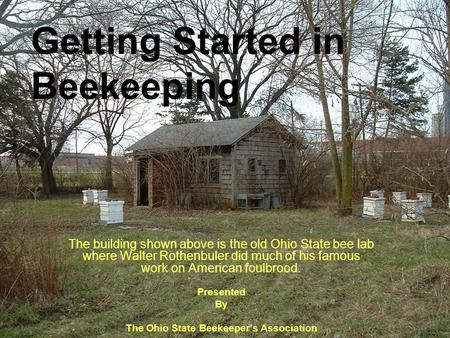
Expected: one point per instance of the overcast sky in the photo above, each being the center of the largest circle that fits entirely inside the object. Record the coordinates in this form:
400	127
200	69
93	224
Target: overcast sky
302	103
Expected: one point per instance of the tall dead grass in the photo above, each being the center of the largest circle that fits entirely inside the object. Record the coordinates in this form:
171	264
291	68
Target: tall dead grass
124	180
31	261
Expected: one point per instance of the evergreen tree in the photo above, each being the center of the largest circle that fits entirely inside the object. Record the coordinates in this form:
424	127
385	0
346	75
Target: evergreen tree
184	110
402	104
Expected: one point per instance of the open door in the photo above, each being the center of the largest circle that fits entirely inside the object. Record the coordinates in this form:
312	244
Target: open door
143	181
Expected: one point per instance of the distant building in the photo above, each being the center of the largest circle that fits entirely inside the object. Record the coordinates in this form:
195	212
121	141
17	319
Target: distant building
446	110
83	161
437	125
400	149
70	162
440	122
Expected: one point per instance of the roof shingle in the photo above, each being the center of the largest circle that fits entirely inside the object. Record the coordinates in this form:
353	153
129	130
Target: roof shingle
202	134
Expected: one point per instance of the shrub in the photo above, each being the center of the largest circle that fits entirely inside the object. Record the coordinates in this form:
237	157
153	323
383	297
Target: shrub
30	269
123	180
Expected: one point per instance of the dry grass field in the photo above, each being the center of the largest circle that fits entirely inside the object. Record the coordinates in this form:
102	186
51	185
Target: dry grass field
400	288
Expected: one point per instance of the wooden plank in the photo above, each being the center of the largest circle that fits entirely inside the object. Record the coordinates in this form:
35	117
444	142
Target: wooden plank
135	181
234	178
266	147
151	181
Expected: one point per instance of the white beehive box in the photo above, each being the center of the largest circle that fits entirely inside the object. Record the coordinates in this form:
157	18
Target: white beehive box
398	196
448	201
88	196
373	207
427	197
376	193
111	212
412	211
100	195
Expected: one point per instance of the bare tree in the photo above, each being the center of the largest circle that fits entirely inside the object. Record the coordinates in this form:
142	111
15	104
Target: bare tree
115	118
254	73
19	18
431	21
112	122
41	127
356	21
111	126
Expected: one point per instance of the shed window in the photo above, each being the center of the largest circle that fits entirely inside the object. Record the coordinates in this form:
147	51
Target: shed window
282	166
251	165
214	170
209	170
203	171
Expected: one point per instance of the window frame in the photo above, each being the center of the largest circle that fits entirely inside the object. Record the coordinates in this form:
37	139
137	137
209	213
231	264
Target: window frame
282	166
217	170
251	165
205	170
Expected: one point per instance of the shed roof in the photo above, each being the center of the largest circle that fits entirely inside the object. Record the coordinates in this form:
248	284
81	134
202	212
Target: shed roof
202	134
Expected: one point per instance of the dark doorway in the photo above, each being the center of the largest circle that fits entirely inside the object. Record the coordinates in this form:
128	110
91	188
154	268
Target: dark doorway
143	181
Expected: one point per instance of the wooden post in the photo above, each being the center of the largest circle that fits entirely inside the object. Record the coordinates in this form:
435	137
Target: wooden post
135	180
150	180
234	178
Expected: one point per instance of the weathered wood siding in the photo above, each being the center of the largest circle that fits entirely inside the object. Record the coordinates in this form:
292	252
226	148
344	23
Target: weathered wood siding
134	179
216	193
266	146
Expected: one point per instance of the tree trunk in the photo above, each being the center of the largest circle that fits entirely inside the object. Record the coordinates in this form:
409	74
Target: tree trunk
347	153
109	184
447	11
347	146
447	84
48	179
19	175
347	137
329	130
347	176
326	111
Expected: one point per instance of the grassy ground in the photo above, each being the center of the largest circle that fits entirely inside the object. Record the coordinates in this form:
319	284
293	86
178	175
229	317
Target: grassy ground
400	289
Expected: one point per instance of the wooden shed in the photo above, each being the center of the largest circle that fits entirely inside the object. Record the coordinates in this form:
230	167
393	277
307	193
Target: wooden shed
231	163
